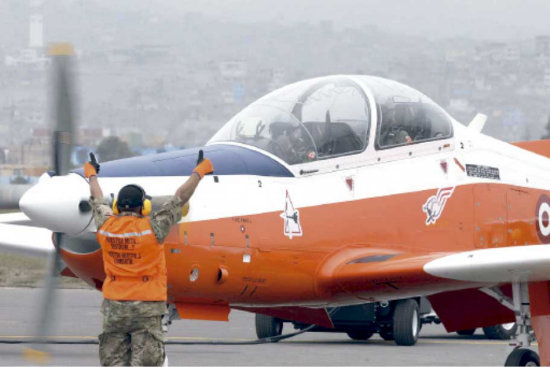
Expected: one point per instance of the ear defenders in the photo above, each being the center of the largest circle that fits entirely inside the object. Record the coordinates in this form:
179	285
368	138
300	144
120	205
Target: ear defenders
146	205
145	209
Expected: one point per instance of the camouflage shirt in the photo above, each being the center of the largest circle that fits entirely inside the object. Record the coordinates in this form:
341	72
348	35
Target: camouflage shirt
120	309
161	220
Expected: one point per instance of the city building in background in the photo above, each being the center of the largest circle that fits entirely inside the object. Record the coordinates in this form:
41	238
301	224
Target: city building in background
161	84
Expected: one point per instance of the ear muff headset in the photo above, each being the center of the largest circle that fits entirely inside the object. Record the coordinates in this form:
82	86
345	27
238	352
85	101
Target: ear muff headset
145	204
147	207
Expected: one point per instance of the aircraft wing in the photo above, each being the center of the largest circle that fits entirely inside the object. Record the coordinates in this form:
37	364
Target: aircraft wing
14	218
376	273
466	309
504	264
18	235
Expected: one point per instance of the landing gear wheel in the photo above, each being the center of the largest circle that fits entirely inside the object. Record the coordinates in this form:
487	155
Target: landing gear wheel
501	331
386	334
466	332
522	357
359	334
268	326
406	322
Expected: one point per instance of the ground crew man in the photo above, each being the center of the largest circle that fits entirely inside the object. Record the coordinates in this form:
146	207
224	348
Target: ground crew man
134	290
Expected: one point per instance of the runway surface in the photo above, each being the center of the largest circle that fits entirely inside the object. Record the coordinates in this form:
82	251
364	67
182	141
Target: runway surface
79	318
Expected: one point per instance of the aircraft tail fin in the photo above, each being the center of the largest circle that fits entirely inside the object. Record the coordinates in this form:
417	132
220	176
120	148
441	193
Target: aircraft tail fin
541	147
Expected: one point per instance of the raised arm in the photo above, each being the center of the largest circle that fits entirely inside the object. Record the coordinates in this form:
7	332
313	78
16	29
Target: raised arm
185	191
100	207
95	189
171	211
204	167
91	168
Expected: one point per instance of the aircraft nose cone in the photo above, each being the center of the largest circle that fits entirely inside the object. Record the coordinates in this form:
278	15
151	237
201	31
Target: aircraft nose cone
56	203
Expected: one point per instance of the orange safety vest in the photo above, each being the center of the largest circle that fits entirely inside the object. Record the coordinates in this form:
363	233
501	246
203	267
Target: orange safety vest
134	261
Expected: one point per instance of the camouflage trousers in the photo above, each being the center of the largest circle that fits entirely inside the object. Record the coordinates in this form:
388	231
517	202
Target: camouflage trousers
130	336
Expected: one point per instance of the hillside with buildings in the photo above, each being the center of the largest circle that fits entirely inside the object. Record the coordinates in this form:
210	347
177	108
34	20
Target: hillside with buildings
160	83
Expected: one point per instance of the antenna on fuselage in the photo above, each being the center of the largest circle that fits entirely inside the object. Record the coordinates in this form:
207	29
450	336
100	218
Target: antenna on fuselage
478	122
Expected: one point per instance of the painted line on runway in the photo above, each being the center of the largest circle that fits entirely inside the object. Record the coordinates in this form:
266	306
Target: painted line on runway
463	342
12	338
388	342
206	338
2	337
15	338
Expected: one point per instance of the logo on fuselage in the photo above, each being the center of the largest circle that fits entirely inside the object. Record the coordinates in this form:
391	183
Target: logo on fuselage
543	218
433	207
291	219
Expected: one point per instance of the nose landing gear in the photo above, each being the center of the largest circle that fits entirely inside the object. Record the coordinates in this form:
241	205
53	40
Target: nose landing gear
522	357
520	354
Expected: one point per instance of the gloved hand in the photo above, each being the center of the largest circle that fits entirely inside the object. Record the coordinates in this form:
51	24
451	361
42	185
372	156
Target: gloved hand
91	168
204	166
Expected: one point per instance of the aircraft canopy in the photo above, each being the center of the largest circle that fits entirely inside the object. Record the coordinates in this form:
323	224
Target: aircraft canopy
331	116
406	116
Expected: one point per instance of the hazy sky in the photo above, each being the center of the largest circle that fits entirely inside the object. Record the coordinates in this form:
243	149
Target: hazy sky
480	19
505	20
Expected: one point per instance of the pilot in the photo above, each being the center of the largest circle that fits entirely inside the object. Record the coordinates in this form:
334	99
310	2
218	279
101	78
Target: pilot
135	290
393	129
292	144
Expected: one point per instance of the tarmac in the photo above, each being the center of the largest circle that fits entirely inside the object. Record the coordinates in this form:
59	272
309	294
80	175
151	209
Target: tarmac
79	321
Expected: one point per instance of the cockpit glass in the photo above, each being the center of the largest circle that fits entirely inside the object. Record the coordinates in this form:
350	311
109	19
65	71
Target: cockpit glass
405	116
337	117
304	122
272	129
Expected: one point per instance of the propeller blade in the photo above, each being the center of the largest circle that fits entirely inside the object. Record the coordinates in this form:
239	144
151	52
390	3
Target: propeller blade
62	118
38	352
62	108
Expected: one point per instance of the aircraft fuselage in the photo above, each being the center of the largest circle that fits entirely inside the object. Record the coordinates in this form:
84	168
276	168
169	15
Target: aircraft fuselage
263	240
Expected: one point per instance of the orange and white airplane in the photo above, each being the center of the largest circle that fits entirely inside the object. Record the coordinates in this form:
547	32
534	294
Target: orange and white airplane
331	192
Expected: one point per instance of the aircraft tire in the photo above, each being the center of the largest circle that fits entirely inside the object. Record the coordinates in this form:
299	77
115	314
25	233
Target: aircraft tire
406	321
466	332
359	334
501	331
268	326
522	357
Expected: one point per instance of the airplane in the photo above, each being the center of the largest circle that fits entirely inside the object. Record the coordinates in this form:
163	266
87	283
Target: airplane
12	188
334	192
